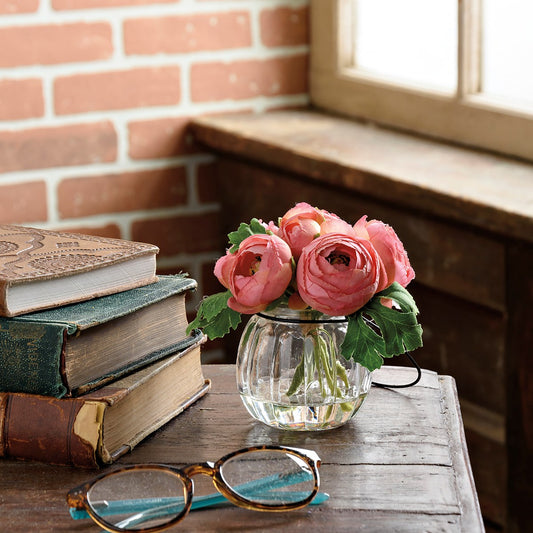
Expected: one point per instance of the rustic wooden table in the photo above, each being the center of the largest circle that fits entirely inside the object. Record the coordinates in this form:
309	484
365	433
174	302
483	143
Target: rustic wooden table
400	465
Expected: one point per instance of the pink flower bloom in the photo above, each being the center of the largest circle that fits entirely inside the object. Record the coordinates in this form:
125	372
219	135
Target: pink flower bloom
224	267
360	228
299	226
272	228
337	274
334	224
392	252
258	273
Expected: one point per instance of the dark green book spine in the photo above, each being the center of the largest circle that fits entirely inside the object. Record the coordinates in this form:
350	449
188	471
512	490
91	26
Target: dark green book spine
30	357
32	345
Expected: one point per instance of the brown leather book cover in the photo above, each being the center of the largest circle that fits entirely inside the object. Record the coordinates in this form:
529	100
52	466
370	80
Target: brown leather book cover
30	257
77	431
44	430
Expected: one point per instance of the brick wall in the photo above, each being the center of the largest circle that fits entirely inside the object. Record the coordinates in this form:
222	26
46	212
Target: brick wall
95	98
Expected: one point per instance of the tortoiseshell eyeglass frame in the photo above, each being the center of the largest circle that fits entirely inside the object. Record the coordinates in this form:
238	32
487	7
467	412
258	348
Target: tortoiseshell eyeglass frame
77	498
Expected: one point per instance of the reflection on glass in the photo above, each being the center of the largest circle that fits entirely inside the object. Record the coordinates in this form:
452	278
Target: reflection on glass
408	42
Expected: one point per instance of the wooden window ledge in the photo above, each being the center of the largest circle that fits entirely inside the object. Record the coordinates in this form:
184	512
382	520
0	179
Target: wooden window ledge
471	187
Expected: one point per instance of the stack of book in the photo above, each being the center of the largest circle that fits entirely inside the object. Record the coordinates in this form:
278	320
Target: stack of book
94	352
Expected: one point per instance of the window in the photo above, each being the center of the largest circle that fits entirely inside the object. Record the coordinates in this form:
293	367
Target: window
461	70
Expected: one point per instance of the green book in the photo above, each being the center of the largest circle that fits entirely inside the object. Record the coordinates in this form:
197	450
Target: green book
70	350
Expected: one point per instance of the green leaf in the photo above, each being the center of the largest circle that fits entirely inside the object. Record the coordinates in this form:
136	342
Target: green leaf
400	329
395	332
214	304
256	226
214	317
362	343
401	296
226	320
244	231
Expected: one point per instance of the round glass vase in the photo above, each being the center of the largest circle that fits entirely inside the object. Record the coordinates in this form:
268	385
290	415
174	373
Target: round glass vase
291	374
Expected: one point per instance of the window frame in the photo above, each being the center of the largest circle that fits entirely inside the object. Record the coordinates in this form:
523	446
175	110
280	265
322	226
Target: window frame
464	117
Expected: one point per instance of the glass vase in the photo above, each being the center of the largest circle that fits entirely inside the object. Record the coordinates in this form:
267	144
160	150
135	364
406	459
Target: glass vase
291	374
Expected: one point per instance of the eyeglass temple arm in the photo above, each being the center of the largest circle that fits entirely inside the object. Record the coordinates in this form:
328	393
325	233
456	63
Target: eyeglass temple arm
199	502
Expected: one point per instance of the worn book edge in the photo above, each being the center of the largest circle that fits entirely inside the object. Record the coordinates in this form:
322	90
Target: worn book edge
74	316
77	433
153	357
126	448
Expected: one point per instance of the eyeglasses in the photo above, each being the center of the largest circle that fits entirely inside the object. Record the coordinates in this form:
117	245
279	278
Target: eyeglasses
152	498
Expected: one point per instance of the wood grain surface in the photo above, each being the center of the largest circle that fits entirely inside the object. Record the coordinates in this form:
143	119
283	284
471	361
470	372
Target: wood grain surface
400	465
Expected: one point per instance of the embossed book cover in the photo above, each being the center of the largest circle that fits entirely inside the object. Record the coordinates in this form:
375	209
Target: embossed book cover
41	268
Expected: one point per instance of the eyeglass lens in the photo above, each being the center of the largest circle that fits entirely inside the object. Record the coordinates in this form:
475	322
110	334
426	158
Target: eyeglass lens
138	499
269	477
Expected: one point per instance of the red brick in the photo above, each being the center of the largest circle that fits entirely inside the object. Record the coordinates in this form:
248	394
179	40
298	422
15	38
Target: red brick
109	230
21	99
246	79
88	4
206	183
78	144
129	191
23	202
187	33
284	26
51	44
167	137
180	234
125	89
10	7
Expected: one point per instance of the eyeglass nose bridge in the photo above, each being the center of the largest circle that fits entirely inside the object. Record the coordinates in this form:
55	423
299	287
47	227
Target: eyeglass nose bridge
212	470
207	468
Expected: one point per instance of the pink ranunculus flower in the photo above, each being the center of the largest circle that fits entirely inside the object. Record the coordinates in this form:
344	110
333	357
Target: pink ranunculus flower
333	224
258	273
337	274
360	228
299	226
392	252
272	228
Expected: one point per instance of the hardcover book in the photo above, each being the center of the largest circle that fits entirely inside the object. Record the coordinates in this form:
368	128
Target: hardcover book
97	428
41	268
72	349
